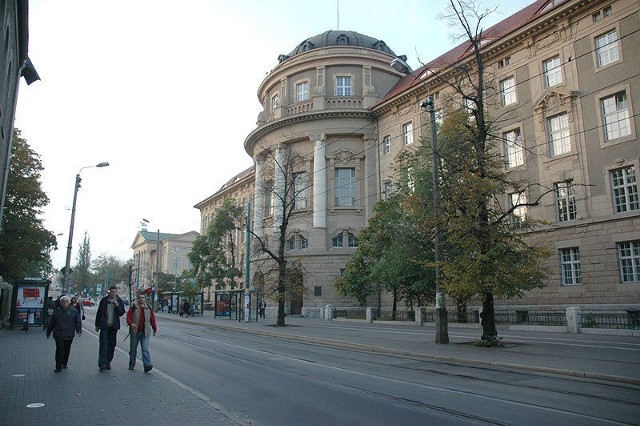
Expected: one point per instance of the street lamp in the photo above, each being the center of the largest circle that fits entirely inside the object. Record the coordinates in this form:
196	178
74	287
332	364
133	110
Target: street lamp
67	265
442	334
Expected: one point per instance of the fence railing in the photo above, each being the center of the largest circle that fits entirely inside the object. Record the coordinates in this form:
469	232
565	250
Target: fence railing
628	321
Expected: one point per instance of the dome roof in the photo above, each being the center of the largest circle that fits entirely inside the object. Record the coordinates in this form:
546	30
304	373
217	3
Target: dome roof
338	38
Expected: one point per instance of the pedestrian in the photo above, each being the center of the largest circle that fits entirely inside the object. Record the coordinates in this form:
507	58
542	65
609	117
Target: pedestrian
110	309
51	305
261	307
186	308
78	305
181	308
64	323
142	323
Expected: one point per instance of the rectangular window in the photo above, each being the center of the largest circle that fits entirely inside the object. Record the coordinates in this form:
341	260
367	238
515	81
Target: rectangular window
345	187
508	91
407	133
559	141
317	290
615	113
388	190
513	149
596	16
552	72
565	201
504	62
607	50
343	86
625	190
386	143
570	265
518	201
302	91
299	187
352	240
274	102
606	11
304	243
629	255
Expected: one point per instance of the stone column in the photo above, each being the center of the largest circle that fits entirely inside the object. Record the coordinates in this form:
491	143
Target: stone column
258	199
278	186
319	182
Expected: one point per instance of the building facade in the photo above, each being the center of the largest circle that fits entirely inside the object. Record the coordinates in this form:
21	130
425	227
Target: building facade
156	251
562	78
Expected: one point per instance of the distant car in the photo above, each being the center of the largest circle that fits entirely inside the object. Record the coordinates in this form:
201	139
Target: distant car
125	301
86	302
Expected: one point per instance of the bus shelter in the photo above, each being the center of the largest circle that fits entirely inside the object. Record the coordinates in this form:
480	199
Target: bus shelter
230	304
29	302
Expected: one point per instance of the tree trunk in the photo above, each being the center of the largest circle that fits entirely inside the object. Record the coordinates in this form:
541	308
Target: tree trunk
487	316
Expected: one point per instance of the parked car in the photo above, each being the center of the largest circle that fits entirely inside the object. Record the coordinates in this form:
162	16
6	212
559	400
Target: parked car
87	302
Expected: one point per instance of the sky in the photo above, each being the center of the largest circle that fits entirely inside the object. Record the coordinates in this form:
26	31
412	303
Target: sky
166	92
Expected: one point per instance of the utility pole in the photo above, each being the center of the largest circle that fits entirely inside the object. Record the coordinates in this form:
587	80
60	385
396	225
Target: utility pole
442	334
247	268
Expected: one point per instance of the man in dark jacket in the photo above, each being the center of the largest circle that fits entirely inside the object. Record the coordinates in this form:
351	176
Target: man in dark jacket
64	323
110	309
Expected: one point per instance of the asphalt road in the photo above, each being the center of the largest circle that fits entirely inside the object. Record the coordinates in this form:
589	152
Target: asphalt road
264	380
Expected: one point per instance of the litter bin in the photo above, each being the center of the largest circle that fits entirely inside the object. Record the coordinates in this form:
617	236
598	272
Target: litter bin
29	302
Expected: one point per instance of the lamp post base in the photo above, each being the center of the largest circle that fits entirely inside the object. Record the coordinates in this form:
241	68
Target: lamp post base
442	325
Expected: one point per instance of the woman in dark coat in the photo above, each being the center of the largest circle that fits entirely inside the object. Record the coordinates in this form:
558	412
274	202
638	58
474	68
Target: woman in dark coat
65	322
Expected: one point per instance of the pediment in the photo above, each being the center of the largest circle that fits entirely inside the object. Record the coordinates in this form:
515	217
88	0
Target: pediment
554	97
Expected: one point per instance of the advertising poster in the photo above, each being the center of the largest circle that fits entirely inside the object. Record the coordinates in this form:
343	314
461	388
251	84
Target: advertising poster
29	305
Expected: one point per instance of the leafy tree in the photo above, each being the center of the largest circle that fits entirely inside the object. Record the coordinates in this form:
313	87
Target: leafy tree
25	245
486	255
82	277
109	270
391	256
213	254
356	280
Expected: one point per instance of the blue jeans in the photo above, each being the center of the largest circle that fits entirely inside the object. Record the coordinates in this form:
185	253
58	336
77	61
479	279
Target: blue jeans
107	346
133	349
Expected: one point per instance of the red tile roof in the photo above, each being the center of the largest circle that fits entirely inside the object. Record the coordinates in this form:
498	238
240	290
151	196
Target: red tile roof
497	31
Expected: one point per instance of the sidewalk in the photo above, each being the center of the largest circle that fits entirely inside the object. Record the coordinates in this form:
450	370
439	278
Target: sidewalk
605	357
83	394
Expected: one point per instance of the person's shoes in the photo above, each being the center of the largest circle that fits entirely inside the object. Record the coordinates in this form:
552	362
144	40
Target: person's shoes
57	370
108	367
131	367
64	366
148	368
103	368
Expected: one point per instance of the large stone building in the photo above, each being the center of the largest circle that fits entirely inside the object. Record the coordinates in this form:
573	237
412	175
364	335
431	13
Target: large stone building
565	81
157	251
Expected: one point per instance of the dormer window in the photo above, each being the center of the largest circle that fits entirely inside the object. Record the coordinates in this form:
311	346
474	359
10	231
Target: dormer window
342	40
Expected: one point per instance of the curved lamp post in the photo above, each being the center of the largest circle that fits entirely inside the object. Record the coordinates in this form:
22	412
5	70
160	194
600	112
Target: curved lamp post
67	265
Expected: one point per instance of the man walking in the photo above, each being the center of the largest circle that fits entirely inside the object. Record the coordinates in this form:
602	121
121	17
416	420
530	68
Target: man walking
141	322
64	323
110	309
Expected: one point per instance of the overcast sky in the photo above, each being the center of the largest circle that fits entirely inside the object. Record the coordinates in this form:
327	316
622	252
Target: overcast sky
166	92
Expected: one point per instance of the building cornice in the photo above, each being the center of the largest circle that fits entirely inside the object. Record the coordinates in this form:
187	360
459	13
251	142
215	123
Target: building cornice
264	130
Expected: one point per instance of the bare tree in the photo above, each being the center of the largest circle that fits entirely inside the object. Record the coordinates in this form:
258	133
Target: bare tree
285	189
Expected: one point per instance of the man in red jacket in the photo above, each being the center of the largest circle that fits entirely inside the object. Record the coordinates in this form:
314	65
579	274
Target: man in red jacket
141	322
